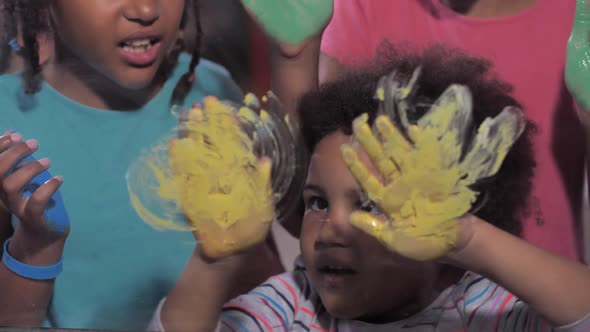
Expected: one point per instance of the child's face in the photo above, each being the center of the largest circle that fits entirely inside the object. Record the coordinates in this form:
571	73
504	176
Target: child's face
355	276
125	41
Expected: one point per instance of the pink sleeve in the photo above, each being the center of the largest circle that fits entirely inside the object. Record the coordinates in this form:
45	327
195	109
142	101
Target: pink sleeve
347	37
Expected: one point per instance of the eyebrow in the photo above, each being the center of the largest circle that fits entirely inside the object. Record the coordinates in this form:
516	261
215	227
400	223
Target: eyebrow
351	194
314	187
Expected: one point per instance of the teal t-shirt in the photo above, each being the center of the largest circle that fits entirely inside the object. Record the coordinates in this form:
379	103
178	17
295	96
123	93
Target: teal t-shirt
116	267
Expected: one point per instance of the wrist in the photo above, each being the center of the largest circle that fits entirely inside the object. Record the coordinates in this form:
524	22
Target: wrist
287	52
471	248
226	266
36	250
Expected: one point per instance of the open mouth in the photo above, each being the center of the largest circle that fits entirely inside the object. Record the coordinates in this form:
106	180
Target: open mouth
336	277
336	270
140	51
141	45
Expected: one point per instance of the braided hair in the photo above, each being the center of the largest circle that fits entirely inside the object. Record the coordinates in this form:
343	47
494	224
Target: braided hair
7	32
32	16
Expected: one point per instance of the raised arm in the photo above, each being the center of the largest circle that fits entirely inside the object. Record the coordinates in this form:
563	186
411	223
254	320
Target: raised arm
224	170
577	71
426	189
551	286
295	29
24	300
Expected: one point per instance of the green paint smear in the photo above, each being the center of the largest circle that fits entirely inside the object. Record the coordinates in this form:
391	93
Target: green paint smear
577	69
291	21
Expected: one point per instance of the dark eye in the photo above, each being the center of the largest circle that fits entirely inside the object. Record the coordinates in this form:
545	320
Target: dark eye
316	204
370	207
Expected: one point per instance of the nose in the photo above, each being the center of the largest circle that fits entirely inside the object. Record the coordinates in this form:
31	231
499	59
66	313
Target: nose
144	12
335	230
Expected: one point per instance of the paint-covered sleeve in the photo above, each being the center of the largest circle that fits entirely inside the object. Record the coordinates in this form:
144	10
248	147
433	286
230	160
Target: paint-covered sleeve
346	39
489	307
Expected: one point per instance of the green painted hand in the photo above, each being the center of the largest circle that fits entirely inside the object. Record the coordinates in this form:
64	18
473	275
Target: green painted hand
577	69
291	21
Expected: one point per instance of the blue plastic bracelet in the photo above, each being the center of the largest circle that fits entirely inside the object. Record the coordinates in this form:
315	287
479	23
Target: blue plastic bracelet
28	271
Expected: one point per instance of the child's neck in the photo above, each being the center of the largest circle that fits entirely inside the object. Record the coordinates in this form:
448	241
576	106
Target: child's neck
85	86
488	8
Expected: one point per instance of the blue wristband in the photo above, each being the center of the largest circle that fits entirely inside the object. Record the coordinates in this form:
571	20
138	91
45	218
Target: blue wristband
28	271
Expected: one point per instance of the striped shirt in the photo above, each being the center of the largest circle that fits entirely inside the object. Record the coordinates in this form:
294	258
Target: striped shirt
287	302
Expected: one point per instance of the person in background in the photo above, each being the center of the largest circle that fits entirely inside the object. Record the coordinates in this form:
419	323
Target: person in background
526	41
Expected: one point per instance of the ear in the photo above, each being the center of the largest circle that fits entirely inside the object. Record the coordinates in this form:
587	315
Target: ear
45	41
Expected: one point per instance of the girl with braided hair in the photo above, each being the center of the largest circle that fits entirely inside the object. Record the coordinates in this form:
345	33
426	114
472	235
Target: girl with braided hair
119	70
11	52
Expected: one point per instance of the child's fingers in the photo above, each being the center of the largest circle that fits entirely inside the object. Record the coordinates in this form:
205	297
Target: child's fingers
189	121
416	248
264	170
13	154
373	147
183	124
13	184
368	182
395	145
450	113
40	200
494	139
368	223
8	139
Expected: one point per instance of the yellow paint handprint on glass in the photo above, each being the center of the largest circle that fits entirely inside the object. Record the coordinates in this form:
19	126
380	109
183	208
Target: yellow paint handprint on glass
427	167
221	175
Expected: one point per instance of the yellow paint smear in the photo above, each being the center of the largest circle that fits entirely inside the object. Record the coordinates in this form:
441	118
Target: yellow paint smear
426	184
214	178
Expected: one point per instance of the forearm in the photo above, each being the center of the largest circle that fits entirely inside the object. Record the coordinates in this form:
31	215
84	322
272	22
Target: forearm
584	116
24	301
195	302
295	74
552	286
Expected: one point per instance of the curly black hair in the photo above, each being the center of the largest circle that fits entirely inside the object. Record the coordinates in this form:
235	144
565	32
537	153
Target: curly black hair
33	19
335	105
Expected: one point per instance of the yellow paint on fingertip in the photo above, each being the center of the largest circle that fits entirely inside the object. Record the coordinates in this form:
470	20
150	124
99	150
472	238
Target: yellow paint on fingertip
251	100
381	94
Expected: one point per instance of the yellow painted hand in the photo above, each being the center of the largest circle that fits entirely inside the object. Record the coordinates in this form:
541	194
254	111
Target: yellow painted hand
223	188
426	168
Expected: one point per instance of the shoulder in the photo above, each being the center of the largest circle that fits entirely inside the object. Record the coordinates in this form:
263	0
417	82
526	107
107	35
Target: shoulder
485	304
210	79
280	301
476	290
9	85
208	67
14	101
